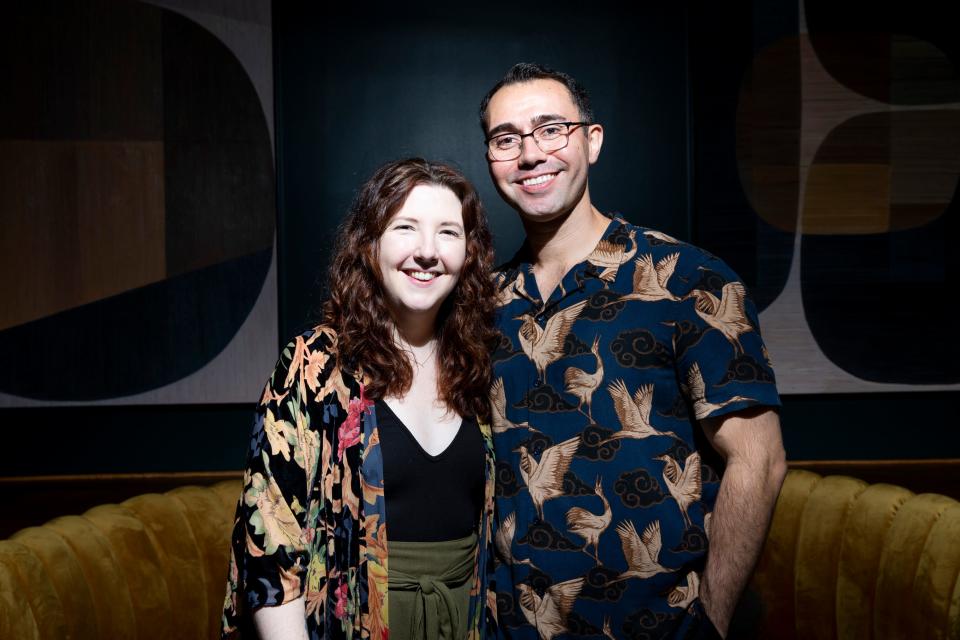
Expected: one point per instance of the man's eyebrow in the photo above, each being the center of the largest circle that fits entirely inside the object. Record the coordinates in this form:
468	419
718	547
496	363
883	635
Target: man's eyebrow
536	121
547	117
506	127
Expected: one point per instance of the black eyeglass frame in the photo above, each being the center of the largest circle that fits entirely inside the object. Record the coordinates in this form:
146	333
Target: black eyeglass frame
566	135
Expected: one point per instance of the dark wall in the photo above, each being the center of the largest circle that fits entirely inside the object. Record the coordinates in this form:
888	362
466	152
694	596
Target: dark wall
356	89
112	439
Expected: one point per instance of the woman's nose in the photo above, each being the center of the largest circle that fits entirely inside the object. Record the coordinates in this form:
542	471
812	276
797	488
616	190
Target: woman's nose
426	248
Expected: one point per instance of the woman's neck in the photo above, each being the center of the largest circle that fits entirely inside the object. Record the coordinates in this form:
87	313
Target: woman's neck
418	342
414	329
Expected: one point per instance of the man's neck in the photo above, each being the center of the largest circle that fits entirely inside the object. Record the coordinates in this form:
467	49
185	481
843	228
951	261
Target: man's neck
558	245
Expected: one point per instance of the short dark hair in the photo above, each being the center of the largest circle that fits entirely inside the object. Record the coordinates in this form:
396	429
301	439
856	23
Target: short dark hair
527	71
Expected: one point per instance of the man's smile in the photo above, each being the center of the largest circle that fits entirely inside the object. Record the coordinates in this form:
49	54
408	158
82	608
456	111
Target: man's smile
537	180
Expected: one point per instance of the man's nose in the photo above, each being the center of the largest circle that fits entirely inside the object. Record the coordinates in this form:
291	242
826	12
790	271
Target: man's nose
530	153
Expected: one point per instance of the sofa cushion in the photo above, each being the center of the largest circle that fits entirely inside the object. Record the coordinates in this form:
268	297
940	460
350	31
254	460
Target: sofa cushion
62	570
818	554
179	556
139	566
30	605
870	517
895	614
936	587
211	522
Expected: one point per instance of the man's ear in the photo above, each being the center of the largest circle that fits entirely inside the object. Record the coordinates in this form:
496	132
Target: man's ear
594	141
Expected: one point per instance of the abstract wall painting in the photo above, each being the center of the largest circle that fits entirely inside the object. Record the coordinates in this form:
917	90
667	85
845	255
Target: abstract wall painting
137	193
839	192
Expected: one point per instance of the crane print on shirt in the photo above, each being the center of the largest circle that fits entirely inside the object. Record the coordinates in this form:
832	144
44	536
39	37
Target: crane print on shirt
604	493
610	255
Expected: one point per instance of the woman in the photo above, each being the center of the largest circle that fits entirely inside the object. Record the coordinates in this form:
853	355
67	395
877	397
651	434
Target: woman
368	431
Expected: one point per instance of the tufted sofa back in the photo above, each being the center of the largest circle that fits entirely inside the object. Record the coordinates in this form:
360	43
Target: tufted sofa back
849	560
151	567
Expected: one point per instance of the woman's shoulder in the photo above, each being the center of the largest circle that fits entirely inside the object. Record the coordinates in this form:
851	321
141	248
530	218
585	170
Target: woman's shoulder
318	338
310	356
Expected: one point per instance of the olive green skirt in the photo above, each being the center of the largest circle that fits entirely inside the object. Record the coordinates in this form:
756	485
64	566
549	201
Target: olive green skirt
429	585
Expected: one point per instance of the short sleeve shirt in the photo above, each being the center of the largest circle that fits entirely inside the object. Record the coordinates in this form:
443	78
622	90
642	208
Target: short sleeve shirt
605	484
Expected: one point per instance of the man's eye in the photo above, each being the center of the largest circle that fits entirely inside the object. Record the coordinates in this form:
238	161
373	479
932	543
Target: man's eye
551	131
506	142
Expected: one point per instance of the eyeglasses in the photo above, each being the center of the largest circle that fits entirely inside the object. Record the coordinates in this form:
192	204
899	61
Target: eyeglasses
549	137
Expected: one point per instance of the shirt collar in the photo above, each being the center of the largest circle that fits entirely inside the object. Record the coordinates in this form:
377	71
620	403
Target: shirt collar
521	266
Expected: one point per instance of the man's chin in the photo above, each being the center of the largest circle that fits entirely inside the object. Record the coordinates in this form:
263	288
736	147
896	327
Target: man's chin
542	215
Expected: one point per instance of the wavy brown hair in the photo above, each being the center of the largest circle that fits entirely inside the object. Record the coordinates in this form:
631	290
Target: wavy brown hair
356	307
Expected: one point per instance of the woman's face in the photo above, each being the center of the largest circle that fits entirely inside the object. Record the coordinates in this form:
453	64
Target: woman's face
422	251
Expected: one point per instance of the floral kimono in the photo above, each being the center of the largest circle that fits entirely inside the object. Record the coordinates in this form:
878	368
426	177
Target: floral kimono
311	519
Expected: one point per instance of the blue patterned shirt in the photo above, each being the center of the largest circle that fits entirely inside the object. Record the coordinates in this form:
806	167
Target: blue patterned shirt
605	483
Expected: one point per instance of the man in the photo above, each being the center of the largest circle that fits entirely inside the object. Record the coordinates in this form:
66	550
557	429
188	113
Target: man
630	372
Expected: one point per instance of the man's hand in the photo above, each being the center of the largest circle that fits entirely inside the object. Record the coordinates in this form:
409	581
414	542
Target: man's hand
751	444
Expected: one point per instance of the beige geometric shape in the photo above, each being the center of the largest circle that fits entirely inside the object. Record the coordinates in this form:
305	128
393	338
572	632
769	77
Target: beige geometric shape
767	136
847	199
772	191
83	221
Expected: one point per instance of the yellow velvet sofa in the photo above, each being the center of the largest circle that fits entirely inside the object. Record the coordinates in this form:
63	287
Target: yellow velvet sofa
151	567
848	560
843	559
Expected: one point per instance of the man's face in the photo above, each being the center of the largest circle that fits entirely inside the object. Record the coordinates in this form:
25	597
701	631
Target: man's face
541	186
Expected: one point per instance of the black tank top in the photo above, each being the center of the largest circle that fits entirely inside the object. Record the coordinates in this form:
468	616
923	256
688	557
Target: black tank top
430	498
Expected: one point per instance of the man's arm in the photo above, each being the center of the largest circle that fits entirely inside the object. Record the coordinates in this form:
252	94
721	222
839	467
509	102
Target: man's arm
751	444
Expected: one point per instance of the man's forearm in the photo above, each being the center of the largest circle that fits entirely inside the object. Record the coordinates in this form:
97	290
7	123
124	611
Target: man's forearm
738	527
